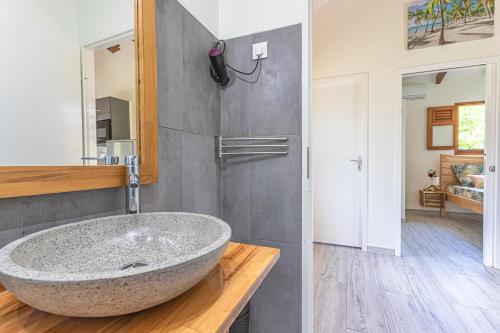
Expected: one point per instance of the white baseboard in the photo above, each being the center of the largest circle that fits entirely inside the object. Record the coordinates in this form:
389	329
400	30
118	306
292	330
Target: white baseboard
381	250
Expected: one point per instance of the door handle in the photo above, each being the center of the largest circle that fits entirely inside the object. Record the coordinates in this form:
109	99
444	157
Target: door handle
360	162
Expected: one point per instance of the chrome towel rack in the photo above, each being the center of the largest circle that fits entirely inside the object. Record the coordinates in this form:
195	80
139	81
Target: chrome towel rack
266	146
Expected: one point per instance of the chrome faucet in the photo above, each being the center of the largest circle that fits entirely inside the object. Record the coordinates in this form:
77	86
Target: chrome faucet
133	185
106	160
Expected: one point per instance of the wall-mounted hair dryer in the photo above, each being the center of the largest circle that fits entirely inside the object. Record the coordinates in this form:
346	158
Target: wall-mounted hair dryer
218	66
218	69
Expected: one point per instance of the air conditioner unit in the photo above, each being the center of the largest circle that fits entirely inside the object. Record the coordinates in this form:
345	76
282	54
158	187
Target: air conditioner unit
415	91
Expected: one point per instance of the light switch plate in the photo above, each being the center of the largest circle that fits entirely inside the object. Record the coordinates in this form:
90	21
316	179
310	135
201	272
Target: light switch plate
259	48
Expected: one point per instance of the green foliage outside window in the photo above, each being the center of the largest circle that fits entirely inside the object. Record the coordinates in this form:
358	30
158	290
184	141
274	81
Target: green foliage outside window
471	127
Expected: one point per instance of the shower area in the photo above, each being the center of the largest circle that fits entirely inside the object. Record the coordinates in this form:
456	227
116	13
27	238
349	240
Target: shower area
259	195
261	191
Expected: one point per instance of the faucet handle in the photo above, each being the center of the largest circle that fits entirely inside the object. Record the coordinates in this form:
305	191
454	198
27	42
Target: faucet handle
107	159
133	181
131	160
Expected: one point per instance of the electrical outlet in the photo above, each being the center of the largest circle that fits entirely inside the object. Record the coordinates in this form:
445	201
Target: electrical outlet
259	49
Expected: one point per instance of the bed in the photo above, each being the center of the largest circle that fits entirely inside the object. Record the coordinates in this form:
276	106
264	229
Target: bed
464	194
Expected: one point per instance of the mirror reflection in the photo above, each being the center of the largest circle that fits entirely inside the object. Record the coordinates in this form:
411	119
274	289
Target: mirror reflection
442	136
68	84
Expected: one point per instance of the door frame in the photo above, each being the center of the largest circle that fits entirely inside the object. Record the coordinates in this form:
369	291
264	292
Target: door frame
364	78
307	215
491	232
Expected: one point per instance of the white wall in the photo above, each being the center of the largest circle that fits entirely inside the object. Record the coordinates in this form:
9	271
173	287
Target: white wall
233	18
40	108
103	19
458	86
353	38
57	16
115	72
205	11
243	17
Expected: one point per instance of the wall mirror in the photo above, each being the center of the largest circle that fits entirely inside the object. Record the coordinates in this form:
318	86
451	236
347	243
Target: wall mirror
78	84
442	136
441	128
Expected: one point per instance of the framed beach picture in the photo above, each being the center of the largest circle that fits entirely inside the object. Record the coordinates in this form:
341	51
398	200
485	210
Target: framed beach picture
441	22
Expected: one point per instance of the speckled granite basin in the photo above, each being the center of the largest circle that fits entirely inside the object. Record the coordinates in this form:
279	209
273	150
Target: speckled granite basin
114	265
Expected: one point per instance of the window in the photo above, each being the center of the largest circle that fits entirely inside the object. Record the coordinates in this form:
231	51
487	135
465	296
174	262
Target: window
471	128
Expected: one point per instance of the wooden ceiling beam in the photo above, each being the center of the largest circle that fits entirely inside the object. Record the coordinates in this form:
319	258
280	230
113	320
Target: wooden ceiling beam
440	77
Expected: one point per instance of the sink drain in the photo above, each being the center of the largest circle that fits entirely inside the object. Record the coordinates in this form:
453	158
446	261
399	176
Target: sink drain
133	265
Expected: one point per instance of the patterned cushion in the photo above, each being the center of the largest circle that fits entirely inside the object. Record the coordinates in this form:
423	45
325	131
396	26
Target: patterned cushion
462	172
477	180
467	192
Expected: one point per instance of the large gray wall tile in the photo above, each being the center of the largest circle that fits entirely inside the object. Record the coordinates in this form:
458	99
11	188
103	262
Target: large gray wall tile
275	192
236	197
276	97
166	195
276	306
169	58
200	93
235	101
99	202
10	220
23	216
46	211
272	104
235	97
201	175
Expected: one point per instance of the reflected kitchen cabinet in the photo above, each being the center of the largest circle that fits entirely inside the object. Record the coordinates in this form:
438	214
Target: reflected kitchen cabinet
113	119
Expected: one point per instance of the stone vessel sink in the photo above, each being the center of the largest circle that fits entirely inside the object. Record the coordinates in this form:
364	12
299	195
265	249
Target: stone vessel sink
114	265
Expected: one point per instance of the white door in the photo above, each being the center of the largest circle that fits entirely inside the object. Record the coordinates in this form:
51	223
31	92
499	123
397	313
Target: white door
338	127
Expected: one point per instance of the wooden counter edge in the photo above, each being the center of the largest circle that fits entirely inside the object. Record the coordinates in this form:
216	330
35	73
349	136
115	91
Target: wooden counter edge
244	298
248	295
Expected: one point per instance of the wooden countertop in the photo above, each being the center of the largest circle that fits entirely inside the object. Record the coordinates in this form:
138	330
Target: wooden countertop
211	306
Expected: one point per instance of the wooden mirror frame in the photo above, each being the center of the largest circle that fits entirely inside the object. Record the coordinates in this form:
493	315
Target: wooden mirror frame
19	181
450	119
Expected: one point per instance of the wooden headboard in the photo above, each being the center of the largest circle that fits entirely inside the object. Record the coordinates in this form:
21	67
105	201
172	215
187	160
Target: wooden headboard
446	172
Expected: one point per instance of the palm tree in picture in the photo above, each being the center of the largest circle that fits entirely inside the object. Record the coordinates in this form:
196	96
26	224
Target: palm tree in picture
449	16
441	9
456	12
438	5
427	18
419	16
491	5
434	16
413	15
487	7
466	6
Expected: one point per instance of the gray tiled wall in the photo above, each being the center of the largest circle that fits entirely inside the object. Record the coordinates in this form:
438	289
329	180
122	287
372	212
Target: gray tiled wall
188	110
22	216
261	197
188	115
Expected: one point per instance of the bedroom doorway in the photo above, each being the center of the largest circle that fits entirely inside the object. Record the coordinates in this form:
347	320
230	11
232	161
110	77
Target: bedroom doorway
447	155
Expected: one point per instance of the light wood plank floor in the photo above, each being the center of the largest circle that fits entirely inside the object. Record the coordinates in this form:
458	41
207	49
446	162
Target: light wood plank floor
438	285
